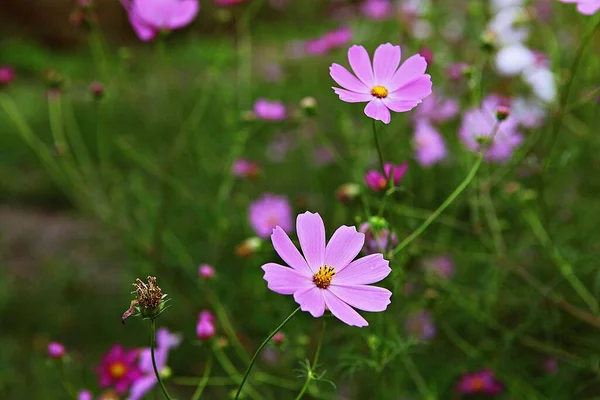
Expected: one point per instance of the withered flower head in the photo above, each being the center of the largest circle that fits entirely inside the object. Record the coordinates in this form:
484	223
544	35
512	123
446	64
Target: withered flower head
149	302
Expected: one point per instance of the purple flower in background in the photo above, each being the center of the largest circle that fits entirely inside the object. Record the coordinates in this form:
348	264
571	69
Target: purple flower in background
456	71
478	125
56	350
7	75
377	182
338	37
119	369
436	108
205	329
245	169
386	85
587	7
317	47
279	146
420	325
550	365
149	17
430	147
165	341
376	9
326	276
269	110
377	240
206	271
268	212
480	382
443	266
85	395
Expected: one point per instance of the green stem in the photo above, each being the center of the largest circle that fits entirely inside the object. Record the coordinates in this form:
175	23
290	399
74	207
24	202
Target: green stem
68	386
230	369
263	344
203	381
417	378
152	346
310	373
381	165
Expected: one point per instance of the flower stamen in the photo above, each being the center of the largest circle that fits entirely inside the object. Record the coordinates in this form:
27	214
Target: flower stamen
379	91
324	276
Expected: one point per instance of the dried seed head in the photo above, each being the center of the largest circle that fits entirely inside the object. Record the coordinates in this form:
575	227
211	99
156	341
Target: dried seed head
149	302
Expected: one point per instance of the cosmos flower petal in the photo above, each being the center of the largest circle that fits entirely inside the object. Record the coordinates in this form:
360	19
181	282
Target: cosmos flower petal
343	311
345	79
311	300
410	70
363	297
284	280
352	97
311	233
343	247
142	386
416	89
385	63
365	270
361	64
376	109
289	253
183	14
166	339
399	105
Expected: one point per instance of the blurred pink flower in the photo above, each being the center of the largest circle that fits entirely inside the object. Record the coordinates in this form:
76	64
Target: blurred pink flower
427	54
279	337
480	382
268	212
322	156
150	17
269	110
429	144
456	71
587	7
119	369
206	271
442	266
385	85
326	276
7	75
376	9
377	182
329	41
437	109
478	125
377	241
85	395
420	325
245	169
550	365
165	341
205	329
279	146
56	350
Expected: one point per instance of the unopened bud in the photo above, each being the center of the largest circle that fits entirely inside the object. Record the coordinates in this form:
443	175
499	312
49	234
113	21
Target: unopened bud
206	271
348	192
502	113
279	338
248	247
377	223
205	329
97	90
309	106
56	350
488	41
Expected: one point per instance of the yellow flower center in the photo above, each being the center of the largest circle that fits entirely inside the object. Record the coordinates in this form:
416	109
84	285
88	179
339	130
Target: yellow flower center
272	221
379	92
323	278
117	370
477	384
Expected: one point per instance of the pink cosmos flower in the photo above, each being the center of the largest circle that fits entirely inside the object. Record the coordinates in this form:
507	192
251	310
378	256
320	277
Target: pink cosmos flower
149	17
376	9
245	169
377	182
587	7
268	212
165	341
430	147
478	124
279	338
56	350
119	369
420	325
7	75
269	110
437	108
380	241
85	395
205	329
206	271
338	37
386	85
326	276
480	382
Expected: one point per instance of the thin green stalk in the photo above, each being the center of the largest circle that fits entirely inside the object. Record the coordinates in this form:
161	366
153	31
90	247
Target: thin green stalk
98	54
152	346
310	373
264	343
203	381
67	385
232	371
417	378
381	165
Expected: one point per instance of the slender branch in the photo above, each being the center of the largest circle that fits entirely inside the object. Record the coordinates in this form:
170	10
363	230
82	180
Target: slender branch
310	373
378	148
203	381
152	346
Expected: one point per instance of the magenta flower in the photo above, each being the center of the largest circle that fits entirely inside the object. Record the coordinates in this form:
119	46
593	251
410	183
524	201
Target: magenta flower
149	17
587	7
429	144
206	271
442	266
85	395
437	109
119	369
279	338
165	341
7	75
326	276
376	9
205	329
56	350
386	85
480	382
269	110
377	182
478	126
420	325
377	241
268	212
338	37
245	169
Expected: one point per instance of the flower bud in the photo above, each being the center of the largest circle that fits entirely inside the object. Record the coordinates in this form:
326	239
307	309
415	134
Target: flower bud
248	247
309	106
150	301
348	192
488	41
56	350
206	271
97	90
7	75
502	113
279	338
205	329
